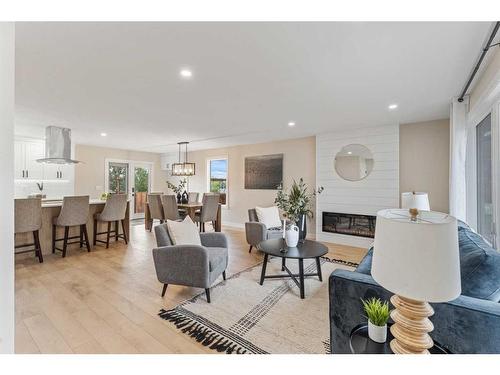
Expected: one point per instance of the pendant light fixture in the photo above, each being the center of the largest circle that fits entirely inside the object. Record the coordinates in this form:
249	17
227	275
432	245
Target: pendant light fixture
183	168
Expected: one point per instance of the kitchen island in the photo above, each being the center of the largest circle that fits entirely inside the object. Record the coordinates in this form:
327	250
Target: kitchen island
51	209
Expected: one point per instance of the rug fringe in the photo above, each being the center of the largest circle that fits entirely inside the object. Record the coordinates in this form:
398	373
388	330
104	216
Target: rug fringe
201	333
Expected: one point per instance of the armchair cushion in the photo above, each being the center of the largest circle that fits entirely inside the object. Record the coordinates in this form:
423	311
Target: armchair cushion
183	232
269	216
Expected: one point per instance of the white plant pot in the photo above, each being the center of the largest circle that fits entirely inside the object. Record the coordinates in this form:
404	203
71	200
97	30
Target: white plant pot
292	236
377	333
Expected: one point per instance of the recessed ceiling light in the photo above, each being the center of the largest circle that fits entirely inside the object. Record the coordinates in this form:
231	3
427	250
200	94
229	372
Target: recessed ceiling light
393	106
186	73
104	134
291	123
349	152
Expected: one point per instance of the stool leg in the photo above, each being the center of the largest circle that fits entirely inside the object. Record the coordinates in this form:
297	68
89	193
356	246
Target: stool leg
107	237
124	232
116	230
95	232
53	238
36	237
65	245
86	235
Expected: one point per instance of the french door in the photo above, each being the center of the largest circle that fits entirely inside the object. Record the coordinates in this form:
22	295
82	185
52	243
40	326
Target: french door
133	178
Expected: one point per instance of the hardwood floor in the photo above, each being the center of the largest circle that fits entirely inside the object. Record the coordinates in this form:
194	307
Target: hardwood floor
107	301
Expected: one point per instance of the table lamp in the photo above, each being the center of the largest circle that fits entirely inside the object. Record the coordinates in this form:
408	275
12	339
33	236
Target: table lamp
416	257
415	199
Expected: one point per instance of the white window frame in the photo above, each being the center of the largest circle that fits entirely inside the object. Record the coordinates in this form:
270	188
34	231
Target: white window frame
207	177
488	103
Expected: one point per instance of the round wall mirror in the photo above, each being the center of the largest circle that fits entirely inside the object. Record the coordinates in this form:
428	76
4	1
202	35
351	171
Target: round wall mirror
354	162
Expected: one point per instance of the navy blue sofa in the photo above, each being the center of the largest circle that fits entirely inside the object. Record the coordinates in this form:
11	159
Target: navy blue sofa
468	324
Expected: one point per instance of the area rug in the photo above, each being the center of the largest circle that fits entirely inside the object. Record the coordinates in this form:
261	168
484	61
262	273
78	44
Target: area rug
245	317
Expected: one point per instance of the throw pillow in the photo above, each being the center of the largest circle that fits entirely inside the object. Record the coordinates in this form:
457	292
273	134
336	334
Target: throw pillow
183	232
269	216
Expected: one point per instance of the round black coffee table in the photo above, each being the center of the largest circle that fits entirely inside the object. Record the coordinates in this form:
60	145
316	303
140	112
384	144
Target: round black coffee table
306	250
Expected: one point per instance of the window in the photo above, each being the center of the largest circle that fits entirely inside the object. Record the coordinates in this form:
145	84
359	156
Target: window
118	178
485	222
217	177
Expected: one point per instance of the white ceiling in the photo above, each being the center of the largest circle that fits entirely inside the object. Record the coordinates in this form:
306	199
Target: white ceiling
250	79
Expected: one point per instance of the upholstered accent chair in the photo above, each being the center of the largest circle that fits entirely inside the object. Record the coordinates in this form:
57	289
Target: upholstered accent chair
257	232
156	208
28	218
190	265
74	213
469	324
113	212
208	212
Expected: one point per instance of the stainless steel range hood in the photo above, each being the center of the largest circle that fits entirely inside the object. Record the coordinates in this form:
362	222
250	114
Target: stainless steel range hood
57	146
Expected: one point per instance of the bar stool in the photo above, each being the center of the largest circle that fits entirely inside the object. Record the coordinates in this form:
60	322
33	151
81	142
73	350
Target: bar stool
155	208
28	218
74	212
114	211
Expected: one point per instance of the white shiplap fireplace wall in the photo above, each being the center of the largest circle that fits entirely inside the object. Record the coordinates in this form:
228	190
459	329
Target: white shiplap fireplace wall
377	191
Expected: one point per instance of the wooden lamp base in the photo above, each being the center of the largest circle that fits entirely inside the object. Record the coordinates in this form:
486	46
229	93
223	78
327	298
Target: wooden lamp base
411	326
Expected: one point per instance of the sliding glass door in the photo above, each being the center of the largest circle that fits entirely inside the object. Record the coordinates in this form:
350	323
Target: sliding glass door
485	209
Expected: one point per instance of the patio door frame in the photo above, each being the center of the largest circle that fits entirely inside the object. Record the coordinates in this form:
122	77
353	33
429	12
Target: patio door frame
488	103
132	164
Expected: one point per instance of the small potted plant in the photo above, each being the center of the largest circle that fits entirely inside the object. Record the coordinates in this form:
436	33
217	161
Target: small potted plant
377	313
297	204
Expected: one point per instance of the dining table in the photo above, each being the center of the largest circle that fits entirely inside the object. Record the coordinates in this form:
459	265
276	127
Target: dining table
190	209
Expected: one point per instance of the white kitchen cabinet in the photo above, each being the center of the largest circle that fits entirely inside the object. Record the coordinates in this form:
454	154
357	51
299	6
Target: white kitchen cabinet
25	155
167	159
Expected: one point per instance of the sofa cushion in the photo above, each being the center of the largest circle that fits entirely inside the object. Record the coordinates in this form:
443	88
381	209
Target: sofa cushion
183	232
479	266
269	216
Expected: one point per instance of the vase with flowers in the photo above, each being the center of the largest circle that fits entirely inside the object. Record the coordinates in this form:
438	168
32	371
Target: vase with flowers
297	204
177	189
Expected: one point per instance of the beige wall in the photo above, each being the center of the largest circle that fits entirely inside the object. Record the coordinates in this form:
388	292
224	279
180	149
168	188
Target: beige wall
89	175
298	161
424	160
486	78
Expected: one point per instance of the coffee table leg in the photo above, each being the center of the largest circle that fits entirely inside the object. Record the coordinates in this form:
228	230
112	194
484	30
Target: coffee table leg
264	265
318	268
283	263
301	276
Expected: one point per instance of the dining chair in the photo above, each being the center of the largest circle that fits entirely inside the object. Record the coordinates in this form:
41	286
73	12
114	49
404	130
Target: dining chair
193	197
74	212
170	208
113	212
28	218
208	212
156	208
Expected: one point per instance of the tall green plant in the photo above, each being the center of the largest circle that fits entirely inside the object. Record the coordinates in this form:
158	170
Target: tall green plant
298	201
376	311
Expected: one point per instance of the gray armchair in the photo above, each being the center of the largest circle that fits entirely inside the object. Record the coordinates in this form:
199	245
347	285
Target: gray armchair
190	265
257	232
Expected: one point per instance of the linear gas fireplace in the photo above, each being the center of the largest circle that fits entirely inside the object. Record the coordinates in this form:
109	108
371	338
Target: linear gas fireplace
351	224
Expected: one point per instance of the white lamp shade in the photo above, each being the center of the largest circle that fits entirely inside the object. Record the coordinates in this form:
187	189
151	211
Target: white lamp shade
418	200
417	259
